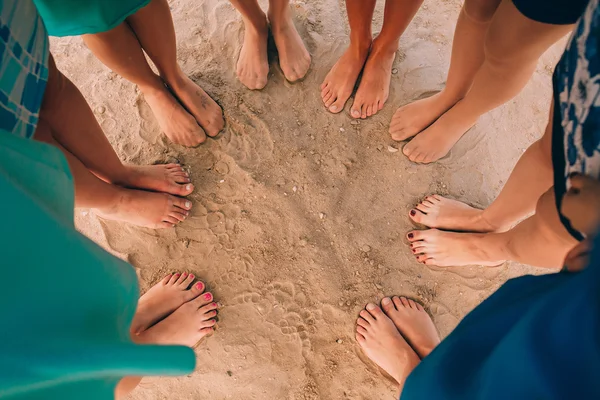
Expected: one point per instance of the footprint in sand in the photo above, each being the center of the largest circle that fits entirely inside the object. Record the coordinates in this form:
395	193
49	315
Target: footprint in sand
149	129
247	139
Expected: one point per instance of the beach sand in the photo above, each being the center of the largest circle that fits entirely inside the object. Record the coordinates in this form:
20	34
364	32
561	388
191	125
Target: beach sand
299	215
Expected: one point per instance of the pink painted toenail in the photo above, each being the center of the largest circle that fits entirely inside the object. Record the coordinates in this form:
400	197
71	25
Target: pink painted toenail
190	276
208	296
199	285
214	304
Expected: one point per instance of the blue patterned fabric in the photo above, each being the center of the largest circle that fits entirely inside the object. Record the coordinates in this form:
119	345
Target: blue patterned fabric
23	66
576	125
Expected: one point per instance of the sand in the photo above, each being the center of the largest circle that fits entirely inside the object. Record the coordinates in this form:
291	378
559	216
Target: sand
299	215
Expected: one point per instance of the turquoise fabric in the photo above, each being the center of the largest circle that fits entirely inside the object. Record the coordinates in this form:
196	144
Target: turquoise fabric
80	17
66	303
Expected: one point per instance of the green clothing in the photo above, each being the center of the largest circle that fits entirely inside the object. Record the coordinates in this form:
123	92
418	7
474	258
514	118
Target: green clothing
80	17
66	304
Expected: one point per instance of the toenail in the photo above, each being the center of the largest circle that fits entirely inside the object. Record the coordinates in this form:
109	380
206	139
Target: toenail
188	187
188	204
191	276
208	296
177	274
386	301
413	212
333	108
410	235
199	285
214	304
371	306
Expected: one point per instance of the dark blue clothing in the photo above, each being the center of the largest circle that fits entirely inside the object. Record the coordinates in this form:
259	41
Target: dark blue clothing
576	119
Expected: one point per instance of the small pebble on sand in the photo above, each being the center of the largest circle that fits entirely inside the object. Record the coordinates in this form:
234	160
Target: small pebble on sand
339	341
395	71
392	149
366	248
321	215
342	130
354	122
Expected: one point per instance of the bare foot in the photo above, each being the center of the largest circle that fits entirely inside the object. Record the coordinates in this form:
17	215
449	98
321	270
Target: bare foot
166	178
164	298
294	59
413	322
253	63
450	249
147	209
179	125
412	118
339	82
204	109
186	326
436	141
374	87
383	344
439	212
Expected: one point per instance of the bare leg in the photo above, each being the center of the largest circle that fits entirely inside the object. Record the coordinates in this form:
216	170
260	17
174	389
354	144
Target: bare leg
121	51
380	340
294	59
513	46
138	207
541	240
253	63
467	57
374	87
340	81
153	26
531	177
74	126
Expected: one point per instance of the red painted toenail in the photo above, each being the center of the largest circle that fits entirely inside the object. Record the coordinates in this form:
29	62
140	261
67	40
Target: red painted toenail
214	304
208	296
199	285
413	212
410	235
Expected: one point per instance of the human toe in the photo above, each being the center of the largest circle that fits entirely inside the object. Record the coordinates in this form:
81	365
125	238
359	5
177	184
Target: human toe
187	281
374	310
174	278
387	305
181	203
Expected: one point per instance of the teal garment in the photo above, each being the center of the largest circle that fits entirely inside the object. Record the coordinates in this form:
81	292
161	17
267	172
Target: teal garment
81	17
66	304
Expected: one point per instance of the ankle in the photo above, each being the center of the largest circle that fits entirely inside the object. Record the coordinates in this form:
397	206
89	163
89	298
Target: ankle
153	89
488	223
258	26
360	45
385	45
406	362
280	18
